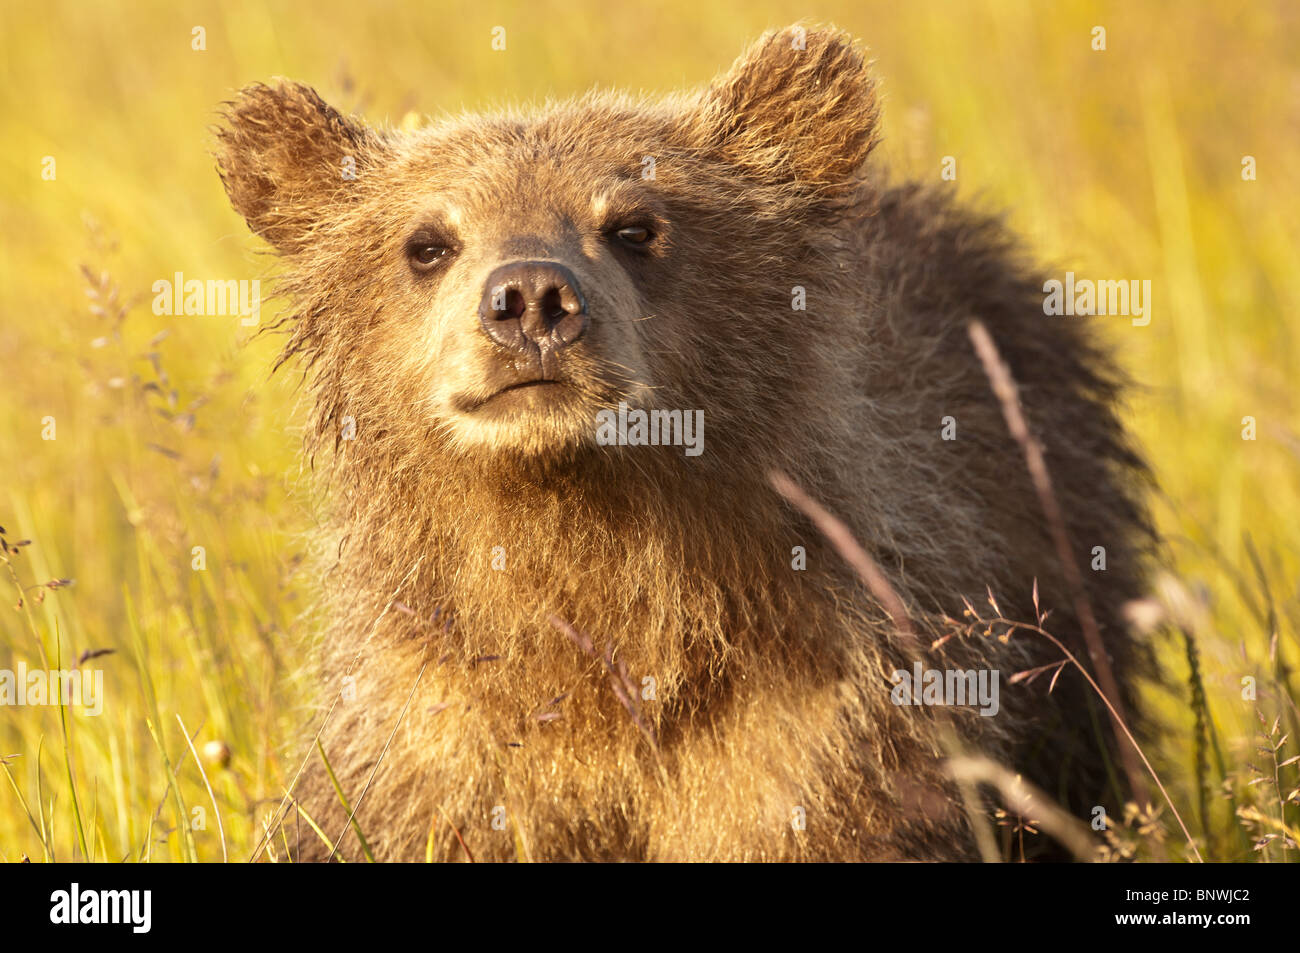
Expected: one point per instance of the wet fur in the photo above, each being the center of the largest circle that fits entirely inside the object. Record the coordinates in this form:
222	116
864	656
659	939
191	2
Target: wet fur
772	685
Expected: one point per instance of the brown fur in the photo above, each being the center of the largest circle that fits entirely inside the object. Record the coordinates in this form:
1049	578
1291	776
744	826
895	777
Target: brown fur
772	685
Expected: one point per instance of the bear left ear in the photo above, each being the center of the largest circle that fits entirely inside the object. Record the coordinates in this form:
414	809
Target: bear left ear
288	160
799	105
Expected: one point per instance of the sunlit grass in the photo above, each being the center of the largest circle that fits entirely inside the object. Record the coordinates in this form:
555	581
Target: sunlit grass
169	435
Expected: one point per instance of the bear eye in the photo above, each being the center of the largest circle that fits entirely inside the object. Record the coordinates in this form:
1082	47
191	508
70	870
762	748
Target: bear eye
425	255
634	234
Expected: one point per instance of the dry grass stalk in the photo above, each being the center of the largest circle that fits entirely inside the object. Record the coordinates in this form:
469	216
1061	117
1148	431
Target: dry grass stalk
1004	386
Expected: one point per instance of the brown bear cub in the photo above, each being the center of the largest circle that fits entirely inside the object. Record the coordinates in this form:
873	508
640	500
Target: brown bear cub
555	355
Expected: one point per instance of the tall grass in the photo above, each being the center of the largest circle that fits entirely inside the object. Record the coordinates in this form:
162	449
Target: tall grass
169	436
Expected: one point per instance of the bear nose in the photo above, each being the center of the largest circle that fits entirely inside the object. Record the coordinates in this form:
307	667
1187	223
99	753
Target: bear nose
533	306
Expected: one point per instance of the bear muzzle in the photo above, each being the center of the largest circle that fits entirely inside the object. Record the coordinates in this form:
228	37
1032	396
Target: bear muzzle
534	309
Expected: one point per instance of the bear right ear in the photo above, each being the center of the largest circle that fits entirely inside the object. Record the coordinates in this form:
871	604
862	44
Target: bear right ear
285	156
799	106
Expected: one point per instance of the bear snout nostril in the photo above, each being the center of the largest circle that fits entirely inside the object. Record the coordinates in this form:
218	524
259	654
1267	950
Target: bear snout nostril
515	304
533	306
552	306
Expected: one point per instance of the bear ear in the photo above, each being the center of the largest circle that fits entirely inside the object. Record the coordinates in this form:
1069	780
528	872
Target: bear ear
285	156
799	105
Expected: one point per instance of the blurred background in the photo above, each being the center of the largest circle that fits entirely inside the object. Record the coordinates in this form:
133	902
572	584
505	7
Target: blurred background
170	434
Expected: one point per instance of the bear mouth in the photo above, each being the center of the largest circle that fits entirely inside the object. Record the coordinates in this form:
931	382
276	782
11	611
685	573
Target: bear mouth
523	385
528	395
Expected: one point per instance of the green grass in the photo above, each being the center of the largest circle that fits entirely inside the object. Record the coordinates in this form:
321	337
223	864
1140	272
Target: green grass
170	436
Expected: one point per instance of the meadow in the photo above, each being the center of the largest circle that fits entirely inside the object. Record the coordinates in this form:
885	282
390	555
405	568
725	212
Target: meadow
153	502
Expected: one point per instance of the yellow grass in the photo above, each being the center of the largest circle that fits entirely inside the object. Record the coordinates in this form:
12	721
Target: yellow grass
1118	164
